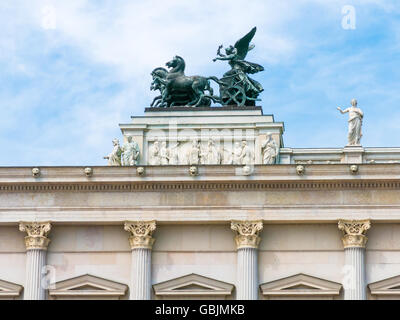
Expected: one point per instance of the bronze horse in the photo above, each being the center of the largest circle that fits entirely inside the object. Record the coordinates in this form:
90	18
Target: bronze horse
158	75
178	89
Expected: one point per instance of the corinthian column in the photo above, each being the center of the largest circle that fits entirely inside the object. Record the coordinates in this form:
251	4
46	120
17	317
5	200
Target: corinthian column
36	243
354	242
141	243
247	241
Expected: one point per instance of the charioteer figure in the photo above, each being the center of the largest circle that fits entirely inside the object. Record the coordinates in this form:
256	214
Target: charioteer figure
236	86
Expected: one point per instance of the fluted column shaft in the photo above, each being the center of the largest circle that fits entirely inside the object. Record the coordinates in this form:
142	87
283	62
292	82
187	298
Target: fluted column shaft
141	274
247	274
247	241
35	261
354	242
141	244
355	286
36	243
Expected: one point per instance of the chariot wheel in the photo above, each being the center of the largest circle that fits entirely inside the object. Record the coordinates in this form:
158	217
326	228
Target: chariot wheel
234	95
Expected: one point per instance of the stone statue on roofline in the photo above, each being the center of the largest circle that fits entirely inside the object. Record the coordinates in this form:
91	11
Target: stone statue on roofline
355	123
130	152
270	150
114	158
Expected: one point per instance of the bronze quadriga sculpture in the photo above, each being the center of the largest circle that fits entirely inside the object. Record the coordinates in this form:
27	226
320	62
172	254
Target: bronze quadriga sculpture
235	87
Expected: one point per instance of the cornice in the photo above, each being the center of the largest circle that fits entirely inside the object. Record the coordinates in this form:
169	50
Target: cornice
151	186
221	177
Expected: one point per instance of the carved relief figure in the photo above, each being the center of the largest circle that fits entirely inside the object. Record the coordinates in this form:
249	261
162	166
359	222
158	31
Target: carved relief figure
223	157
226	156
164	154
154	154
234	156
114	158
246	154
173	154
271	150
194	153
355	123
130	152
212	155
237	152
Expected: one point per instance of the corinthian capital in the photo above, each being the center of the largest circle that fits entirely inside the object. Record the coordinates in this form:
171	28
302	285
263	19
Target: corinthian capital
354	232
247	233
37	234
141	232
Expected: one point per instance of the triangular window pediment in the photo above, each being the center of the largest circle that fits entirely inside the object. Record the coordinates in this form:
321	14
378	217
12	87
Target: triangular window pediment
9	289
87	286
390	286
193	285
301	285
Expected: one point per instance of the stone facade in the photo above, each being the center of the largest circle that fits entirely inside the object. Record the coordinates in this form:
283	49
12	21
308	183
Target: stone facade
219	232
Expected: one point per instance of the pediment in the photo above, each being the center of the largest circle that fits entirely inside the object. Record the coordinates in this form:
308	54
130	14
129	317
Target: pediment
390	286
9	289
88	285
193	285
301	285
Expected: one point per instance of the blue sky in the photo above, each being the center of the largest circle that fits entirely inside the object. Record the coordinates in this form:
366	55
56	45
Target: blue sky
71	71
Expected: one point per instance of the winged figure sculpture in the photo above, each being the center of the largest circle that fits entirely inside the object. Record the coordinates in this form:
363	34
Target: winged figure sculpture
240	68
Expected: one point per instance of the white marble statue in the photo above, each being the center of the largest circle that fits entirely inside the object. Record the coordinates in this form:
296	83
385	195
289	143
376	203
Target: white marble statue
270	150
130	152
246	154
194	153
355	123
114	158
154	154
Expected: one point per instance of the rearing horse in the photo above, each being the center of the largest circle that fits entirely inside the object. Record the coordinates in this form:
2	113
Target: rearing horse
179	86
159	75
